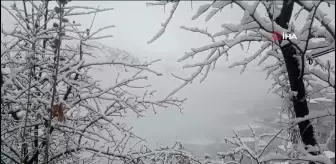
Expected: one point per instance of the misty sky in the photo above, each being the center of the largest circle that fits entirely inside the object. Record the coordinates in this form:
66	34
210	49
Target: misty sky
214	107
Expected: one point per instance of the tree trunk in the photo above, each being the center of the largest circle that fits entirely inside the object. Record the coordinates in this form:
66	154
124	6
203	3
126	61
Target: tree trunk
2	82
295	79
299	101
36	128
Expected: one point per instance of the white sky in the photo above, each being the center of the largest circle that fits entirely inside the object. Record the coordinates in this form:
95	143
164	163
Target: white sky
211	105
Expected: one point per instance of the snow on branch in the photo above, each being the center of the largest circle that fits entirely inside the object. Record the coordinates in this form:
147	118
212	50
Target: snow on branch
312	115
324	76
257	154
320	16
321	159
88	10
165	23
201	10
163	2
205	32
248	60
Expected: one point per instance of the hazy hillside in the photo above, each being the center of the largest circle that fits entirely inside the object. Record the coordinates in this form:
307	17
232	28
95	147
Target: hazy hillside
200	148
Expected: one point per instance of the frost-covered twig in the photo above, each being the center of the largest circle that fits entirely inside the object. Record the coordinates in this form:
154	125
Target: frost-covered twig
312	115
164	24
303	55
319	16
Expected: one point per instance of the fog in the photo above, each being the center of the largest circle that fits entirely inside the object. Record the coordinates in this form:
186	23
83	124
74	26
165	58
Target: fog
215	107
